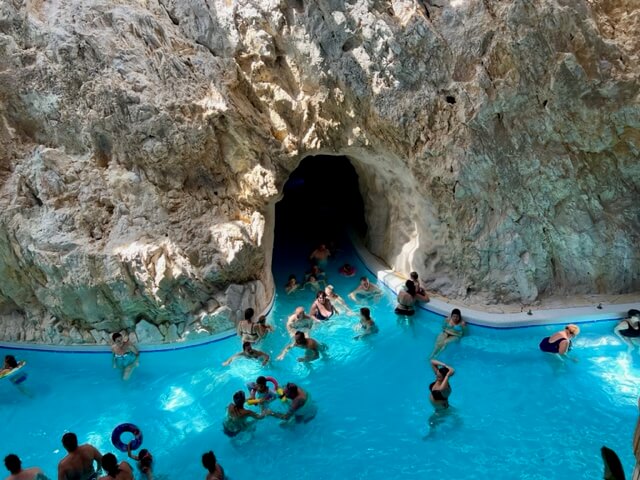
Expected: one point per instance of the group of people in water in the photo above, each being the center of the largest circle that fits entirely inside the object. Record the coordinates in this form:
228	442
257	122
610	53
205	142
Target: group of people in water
299	407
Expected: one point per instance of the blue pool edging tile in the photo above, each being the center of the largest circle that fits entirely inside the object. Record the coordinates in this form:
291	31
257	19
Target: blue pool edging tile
394	281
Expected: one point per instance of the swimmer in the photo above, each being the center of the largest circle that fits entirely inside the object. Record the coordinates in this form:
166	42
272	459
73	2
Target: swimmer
259	390
14	465
347	270
78	464
10	364
337	299
302	408
314	284
144	459
366	325
248	352
292	284
440	389
421	293
322	308
316	272
309	345
365	289
299	320
628	330
262	328
209	461
612	465
115	471
237	420
125	355
406	299
246	329
453	329
320	255
560	342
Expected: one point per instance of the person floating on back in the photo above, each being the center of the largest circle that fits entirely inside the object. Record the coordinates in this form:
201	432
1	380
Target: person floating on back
78	464
560	342
14	465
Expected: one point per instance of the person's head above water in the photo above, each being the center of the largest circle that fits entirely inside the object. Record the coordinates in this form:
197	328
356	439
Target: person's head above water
13	464
456	316
70	442
411	287
110	464
612	466
321	295
291	390
261	381
634	313
209	461
414	276
300	339
248	314
572	330
10	361
239	399
116	336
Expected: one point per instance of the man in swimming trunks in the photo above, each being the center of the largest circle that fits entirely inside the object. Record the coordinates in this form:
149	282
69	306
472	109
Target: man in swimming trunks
248	352
628	330
320	255
322	309
125	355
308	344
302	408
365	289
78	464
421	293
14	465
299	320
246	328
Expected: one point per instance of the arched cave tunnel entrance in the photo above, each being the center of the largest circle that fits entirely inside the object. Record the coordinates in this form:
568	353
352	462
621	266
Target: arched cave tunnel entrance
321	203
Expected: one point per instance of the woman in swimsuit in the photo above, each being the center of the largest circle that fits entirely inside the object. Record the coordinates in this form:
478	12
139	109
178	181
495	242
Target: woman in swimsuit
453	329
246	328
406	299
440	390
114	470
262	328
237	420
628	330
560	342
145	461
322	309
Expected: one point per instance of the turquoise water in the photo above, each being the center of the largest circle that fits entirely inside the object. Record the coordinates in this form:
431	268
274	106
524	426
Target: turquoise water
516	413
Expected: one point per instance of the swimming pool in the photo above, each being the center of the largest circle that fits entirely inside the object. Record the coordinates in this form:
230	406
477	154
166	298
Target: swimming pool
516	413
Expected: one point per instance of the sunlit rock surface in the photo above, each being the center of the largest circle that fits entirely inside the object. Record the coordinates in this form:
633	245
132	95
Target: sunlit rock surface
143	145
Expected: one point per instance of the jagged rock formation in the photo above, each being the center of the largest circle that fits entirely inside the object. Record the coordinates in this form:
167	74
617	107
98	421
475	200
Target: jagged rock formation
143	146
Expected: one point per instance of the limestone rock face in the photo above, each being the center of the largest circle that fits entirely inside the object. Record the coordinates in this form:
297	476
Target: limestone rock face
143	146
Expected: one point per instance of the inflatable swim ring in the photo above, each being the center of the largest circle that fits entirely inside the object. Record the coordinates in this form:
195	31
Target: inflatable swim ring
17	375
347	270
116	436
257	401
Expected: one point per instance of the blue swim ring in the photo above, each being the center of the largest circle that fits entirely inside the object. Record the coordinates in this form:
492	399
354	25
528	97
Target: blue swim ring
126	428
17	375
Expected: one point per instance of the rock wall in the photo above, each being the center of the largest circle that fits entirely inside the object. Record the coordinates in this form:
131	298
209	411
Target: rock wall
143	146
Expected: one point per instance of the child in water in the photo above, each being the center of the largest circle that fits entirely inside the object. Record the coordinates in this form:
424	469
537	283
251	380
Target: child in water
144	460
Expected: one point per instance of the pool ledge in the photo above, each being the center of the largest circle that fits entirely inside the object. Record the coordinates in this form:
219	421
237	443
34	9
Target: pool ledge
394	281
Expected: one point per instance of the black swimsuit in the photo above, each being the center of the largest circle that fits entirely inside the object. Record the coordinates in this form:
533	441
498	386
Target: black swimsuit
438	396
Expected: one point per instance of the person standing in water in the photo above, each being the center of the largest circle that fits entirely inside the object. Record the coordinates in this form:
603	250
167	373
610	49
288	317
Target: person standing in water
78	464
299	321
308	344
322	308
14	465
214	469
248	352
365	290
125	355
320	255
560	342
115	470
367	326
301	410
237	420
246	328
628	330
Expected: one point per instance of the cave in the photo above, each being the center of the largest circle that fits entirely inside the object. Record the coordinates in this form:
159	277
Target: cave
321	203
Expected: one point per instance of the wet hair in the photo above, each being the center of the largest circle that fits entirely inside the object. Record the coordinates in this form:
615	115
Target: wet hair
293	277
456	311
248	313
70	442
633	313
291	390
411	287
262	319
572	329
116	336
239	399
612	463
145	460
321	293
110	464
11	361
443	371
209	461
261	381
414	276
362	279
13	463
300	336
366	313
245	345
